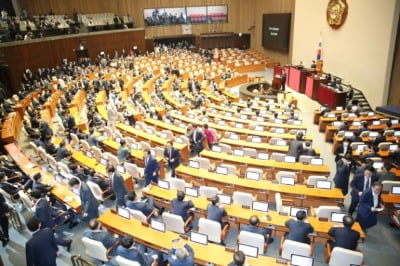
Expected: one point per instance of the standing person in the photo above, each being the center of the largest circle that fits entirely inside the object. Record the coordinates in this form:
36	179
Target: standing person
112	114
296	146
172	156
359	184
370	205
41	249
90	205
197	139
117	185
210	136
123	151
342	175
151	168
283	79
4	214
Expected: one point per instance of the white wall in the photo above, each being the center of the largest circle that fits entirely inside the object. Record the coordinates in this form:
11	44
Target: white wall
361	51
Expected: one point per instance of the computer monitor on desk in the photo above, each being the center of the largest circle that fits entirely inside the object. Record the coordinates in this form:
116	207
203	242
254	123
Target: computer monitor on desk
299	260
294	210
221	170
317	161
156	225
337	217
193	192
253	175
194	164
250	251
287	180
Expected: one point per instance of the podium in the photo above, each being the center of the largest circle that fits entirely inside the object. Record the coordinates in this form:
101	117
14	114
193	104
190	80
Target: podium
312	86
298	78
331	97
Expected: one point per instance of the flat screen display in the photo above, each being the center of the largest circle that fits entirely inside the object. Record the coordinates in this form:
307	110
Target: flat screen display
164	16
217	14
276	31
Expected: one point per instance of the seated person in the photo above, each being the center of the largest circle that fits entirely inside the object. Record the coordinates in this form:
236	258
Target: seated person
386	174
180	256
252	227
308	150
11	189
239	259
180	207
61	152
31	132
95	232
38	185
135	252
93	177
299	229
345	237
77	171
146	207
49	146
215	212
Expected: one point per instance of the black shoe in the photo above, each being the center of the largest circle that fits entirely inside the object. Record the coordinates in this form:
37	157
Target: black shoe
68	246
270	240
72	224
5	241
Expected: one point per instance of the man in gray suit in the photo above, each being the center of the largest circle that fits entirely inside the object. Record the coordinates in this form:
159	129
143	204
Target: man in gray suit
117	185
90	205
296	146
123	151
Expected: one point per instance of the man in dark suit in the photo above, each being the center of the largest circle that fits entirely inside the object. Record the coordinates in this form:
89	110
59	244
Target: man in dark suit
379	139
151	168
296	146
342	175
308	150
95	232
45	130
136	252
253	228
364	127
69	123
38	185
172	156
180	207
146	207
216	212
61	152
197	139
239	259
345	237
359	184
117	185
42	248
49	146
370	205
9	188
92	139
283	79
123	151
4	214
90	205
183	256
299	229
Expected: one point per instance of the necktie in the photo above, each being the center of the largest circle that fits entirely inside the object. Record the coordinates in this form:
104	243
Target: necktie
111	181
170	154
366	184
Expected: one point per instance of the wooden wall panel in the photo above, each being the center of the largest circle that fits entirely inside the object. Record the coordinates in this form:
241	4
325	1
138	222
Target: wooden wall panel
49	53
394	88
240	12
272	6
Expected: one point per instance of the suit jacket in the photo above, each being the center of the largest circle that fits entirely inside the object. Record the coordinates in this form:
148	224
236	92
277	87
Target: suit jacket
104	237
9	188
43	188
309	152
41	249
188	261
145	208
295	148
197	137
298	231
44	212
254	229
118	186
89	203
61	154
181	208
70	123
342	176
50	148
174	155
150	167
134	255
122	154
3	206
92	140
215	213
365	216
344	237
357	185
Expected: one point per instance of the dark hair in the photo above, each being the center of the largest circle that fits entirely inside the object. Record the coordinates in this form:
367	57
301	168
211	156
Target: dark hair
127	241
147	151
122	142
214	200
375	148
387	166
348	221
73	166
377	183
369	168
206	126
299	135
33	224
93	224
254	220
73	182
36	194
37	176
2	176
239	258
300	215
111	169
131	195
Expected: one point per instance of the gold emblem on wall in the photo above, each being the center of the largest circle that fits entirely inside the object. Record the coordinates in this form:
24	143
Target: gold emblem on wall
336	13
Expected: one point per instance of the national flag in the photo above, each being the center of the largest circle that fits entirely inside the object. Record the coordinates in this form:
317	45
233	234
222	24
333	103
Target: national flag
319	50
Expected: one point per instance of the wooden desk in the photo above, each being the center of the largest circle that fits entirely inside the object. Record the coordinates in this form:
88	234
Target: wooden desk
160	125
238	215
113	146
264	147
153	139
265	190
389	200
297	78
331	97
30	168
312	86
163	241
11	128
236	81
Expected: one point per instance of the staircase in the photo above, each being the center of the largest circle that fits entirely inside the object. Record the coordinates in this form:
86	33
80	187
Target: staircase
362	101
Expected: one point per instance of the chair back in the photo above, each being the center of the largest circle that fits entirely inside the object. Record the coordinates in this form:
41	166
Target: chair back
85	145
174	223
250	152
125	262
112	160
96	190
293	247
132	169
97	154
208	192
325	211
252	239
242	198
138	215
231	168
204	163
278	202
64	169
95	249
210	228
388	184
276	156
312	179
177	184
52	162
285	174
225	148
74	139
305	159
341	256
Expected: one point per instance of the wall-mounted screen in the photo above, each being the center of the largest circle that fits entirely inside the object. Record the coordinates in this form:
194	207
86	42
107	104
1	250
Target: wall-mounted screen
164	16
196	14
276	31
217	13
